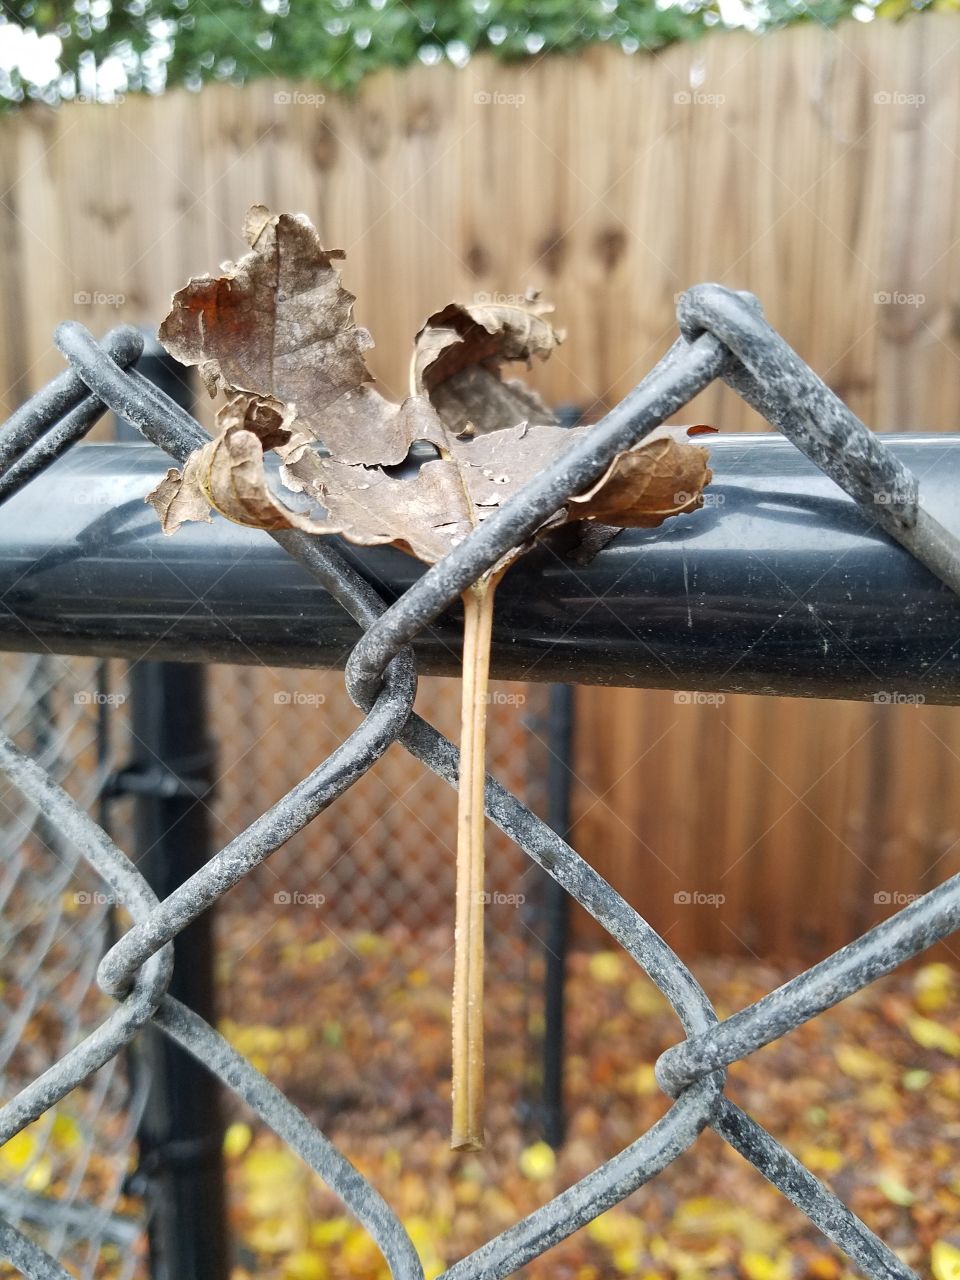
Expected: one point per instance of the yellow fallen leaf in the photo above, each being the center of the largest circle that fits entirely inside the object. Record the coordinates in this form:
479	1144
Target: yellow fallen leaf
859	1063
699	1209
606	966
538	1161
760	1266
423	1233
879	1098
279	1234
757	1235
468	1192
916	1079
368	944
645	1080
333	1231
933	1035
659	1249
276	1184
626	1259
39	1176
644	999
66	1133
945	1261
360	1255
256	1040
821	1159
615	1229
236	1140
20	1149
711	1216
317	952
304	1265
895	1191
273	1165
934	987
706	1215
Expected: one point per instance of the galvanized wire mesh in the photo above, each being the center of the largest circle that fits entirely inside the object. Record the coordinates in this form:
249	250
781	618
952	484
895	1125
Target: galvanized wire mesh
382	864
723	336
63	1176
385	861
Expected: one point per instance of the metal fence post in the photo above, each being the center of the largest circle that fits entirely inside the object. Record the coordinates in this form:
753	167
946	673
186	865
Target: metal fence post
556	911
169	776
556	904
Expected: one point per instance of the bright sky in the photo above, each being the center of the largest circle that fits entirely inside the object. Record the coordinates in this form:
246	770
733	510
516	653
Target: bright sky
37	57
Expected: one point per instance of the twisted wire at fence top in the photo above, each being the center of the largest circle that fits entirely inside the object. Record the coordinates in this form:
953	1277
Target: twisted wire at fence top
723	336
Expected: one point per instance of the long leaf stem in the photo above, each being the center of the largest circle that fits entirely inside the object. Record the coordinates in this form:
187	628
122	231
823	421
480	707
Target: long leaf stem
468	1091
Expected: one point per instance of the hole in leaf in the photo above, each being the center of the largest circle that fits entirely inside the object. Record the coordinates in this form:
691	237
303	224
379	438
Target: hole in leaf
420	451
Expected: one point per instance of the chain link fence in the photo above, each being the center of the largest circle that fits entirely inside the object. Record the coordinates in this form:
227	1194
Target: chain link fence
379	869
723	336
383	866
64	1176
385	861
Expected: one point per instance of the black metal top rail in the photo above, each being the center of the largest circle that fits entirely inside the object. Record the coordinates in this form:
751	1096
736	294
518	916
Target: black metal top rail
781	584
723	336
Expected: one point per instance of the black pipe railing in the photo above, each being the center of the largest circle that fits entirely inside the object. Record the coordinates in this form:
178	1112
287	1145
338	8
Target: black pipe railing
780	585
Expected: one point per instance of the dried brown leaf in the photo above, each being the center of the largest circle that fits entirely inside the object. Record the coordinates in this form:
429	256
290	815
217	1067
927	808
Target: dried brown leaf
280	324
229	475
426	514
431	511
662	476
458	354
277	333
179	498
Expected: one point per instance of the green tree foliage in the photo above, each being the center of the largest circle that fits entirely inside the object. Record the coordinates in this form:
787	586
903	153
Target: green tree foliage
53	49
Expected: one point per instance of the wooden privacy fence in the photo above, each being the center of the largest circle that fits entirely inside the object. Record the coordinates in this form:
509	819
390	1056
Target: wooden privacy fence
817	168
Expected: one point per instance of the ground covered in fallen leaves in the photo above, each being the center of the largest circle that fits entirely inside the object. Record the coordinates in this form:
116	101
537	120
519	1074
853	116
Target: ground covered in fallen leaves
356	1030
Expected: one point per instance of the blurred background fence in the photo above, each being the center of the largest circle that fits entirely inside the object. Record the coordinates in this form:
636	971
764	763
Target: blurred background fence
66	1176
612	182
364	898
